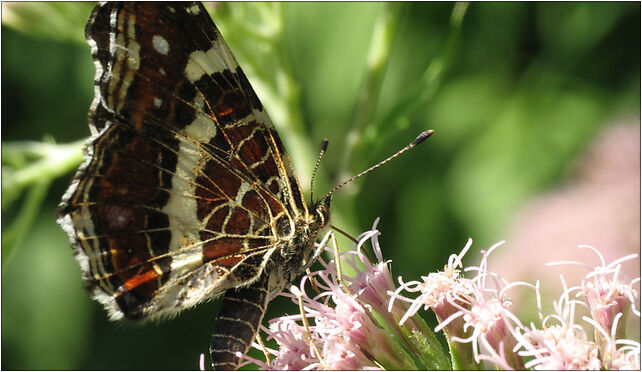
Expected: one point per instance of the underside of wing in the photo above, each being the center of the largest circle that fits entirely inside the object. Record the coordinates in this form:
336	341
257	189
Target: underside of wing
186	187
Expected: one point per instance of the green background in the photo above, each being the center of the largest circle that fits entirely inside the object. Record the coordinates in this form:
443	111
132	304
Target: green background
514	91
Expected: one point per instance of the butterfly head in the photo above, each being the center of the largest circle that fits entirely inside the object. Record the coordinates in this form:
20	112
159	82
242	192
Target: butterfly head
322	211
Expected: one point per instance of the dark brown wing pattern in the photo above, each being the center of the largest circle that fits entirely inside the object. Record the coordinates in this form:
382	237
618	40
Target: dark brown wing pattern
186	189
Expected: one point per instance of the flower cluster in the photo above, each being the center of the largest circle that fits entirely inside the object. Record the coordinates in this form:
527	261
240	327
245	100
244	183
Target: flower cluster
346	324
363	321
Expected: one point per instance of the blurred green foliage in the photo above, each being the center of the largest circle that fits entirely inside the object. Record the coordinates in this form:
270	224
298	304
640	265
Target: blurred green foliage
514	91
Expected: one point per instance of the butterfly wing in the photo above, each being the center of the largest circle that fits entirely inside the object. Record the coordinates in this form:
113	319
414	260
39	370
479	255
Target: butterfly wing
186	189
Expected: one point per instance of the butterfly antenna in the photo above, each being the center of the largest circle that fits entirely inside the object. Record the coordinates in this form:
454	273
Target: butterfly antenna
324	146
420	138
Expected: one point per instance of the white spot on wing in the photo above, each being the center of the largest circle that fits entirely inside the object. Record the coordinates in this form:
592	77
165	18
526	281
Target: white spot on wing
216	59
160	44
158	102
194	10
202	127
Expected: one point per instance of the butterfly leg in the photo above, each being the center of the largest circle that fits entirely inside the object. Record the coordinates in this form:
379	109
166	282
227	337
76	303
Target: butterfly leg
317	251
237	323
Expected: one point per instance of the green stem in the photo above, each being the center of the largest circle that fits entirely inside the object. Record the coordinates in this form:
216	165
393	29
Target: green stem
384	31
417	337
13	235
422	91
461	353
286	85
430	351
56	160
384	320
462	356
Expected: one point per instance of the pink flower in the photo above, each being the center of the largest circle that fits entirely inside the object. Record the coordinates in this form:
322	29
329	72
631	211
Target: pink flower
469	311
342	327
561	346
372	281
487	314
566	345
609	298
294	351
436	289
360	321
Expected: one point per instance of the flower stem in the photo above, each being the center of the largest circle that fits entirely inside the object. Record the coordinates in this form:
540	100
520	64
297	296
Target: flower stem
52	160
397	358
423	90
14	234
384	31
430	351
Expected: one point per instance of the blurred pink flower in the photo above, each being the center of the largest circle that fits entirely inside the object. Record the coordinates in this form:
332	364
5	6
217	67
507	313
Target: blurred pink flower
599	205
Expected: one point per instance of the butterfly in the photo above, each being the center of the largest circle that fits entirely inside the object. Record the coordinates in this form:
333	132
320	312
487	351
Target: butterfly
186	191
